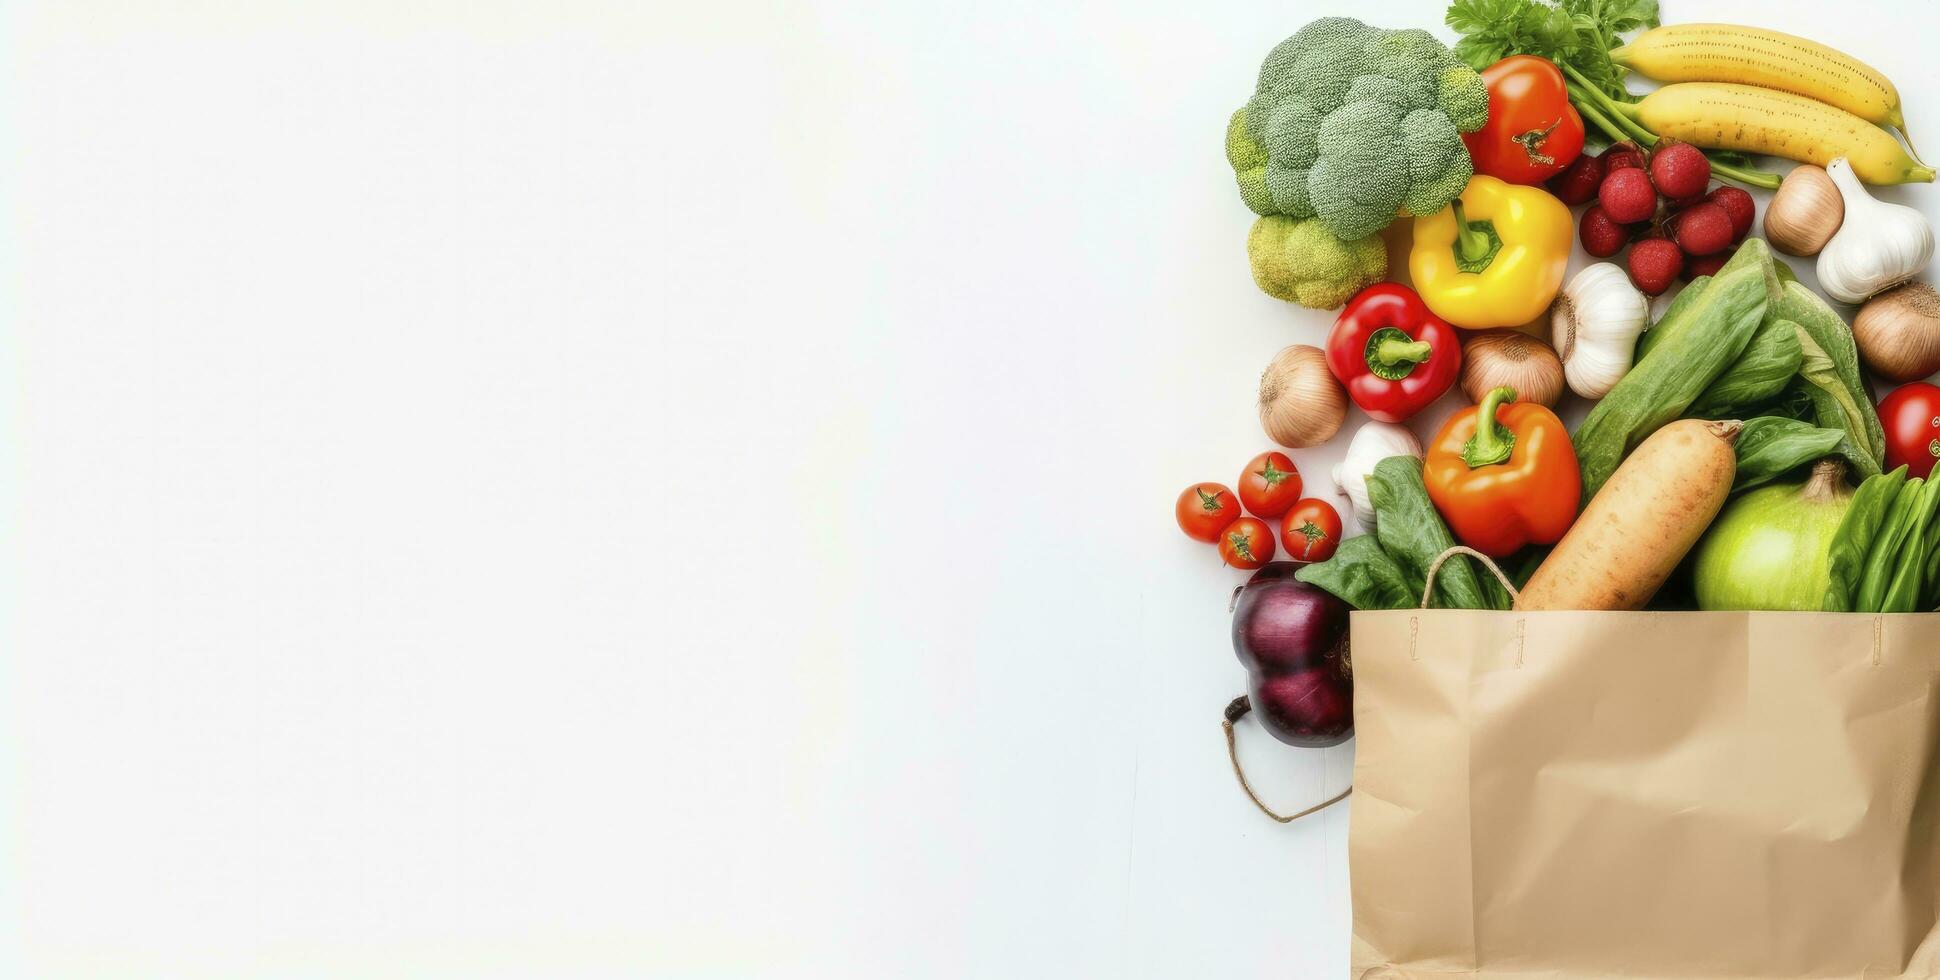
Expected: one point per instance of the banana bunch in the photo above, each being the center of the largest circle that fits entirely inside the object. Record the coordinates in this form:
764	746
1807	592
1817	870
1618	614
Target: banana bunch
1761	91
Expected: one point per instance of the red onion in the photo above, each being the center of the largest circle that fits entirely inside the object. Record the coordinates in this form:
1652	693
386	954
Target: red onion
1292	639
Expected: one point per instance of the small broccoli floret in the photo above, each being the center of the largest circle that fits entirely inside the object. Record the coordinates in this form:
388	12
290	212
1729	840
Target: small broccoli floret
1464	97
1358	182
1381	88
1292	133
1298	261
1438	162
1286	187
1249	164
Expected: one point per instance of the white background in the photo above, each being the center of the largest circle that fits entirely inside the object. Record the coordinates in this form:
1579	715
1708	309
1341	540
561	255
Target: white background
605	489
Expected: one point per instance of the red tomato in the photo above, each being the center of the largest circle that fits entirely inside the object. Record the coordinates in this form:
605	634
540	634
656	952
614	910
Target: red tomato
1205	509
1911	417
1246	543
1311	531
1270	485
1533	132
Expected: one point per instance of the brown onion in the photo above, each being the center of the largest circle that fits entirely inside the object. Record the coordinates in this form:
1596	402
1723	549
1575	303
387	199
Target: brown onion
1301	405
1899	332
1496	358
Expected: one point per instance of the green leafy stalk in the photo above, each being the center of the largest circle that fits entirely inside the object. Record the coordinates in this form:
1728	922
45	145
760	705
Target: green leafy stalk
1853	541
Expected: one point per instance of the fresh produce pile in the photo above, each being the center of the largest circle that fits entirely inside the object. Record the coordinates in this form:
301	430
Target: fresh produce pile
1732	455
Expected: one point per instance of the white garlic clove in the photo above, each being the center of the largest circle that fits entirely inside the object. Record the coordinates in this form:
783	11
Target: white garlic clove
1372	443
1878	245
1594	326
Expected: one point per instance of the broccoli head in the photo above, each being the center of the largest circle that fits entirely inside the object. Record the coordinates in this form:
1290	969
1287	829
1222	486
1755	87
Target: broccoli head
1300	261
1355	124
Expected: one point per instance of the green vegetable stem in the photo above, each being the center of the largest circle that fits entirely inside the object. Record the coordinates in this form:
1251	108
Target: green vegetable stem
1618	120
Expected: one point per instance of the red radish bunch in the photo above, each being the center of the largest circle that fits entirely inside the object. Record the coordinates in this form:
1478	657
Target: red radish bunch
1658	205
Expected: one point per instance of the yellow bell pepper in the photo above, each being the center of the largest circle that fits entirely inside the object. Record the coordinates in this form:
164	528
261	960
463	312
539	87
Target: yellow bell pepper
1494	257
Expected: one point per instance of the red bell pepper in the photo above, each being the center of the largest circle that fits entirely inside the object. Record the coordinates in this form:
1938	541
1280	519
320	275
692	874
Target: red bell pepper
1392	354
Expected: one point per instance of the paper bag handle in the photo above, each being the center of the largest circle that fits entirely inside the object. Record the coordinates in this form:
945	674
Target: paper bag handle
1234	712
1428	590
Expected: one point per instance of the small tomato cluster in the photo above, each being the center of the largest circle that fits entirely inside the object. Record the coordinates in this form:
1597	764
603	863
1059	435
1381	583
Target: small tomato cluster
1269	488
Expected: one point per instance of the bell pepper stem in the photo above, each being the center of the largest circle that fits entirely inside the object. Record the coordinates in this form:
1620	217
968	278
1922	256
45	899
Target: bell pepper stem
1394	353
1471	243
1492	442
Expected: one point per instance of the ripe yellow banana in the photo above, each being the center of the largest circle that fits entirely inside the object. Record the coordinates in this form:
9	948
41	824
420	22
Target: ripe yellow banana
1768	59
1727	116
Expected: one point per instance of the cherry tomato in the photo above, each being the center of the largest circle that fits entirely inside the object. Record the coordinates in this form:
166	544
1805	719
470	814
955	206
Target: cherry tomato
1533	132
1911	417
1205	509
1311	531
1246	543
1270	485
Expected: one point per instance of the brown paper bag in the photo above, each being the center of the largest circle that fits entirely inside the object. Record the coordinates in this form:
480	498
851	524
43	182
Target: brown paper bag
1634	794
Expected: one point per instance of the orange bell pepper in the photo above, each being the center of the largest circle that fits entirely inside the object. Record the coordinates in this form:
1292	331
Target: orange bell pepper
1504	475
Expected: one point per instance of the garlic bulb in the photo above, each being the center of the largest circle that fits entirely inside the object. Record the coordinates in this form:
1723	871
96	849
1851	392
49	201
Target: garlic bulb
1594	326
1372	443
1878	246
1805	212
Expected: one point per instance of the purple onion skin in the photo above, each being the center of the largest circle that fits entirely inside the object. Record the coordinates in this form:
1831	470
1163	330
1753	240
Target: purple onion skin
1291	637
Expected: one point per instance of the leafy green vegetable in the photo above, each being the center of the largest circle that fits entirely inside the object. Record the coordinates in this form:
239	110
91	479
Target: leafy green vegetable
1930	582
1759	375
1577	33
1412	531
1388	569
1363	576
1846	558
1667	325
1350	123
1770	447
1877	573
1830	363
1909	565
1707	338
